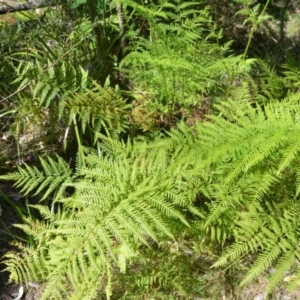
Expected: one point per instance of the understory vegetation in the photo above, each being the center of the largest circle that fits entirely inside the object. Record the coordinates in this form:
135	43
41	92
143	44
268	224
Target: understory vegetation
156	148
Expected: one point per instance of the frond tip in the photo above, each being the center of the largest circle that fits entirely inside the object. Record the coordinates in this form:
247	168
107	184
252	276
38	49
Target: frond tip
53	174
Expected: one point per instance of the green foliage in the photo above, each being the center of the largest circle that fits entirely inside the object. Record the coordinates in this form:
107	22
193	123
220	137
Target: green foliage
58	62
156	274
119	203
145	217
251	155
51	177
98	107
246	163
50	82
247	159
176	67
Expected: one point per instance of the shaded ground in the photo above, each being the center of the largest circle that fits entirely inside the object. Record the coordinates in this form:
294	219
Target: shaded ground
8	217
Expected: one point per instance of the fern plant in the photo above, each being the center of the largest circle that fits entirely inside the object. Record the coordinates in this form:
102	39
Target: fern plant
244	162
251	155
178	67
53	175
97	107
234	178
118	204
48	71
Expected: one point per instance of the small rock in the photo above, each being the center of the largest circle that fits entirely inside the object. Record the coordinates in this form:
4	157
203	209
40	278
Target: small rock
271	271
259	297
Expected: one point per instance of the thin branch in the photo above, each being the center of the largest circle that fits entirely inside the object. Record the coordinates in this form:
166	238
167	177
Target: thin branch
282	24
10	6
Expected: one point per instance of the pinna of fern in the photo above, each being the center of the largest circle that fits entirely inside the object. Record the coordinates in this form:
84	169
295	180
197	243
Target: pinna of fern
52	176
97	108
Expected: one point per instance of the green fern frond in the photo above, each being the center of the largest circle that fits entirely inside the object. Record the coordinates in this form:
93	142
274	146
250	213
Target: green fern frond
53	176
284	265
99	106
118	203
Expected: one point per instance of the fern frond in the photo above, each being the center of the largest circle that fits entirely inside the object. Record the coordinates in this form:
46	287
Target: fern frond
284	265
53	176
119	202
99	107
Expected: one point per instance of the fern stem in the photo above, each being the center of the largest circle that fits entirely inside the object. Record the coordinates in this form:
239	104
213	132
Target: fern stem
169	113
18	210
52	125
171	106
80	147
18	126
253	29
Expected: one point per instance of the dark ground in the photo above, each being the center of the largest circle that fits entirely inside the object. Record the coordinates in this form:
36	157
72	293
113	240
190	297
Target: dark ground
8	217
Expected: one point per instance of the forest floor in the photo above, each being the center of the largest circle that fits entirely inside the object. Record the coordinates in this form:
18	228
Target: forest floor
9	217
